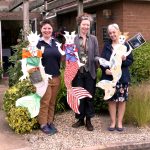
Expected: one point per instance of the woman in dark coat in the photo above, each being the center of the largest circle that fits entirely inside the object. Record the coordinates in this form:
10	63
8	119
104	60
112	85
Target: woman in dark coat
117	102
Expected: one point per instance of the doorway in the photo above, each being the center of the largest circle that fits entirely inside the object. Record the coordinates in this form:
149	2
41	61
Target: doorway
10	31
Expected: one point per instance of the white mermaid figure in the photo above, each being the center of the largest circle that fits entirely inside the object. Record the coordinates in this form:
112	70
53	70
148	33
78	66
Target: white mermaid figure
32	69
74	94
114	64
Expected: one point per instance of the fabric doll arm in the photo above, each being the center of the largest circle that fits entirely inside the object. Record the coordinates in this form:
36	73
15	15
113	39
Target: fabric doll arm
24	69
59	48
128	61
77	56
103	56
44	75
129	58
96	50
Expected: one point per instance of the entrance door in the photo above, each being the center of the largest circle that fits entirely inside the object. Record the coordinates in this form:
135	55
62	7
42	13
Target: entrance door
0	45
10	31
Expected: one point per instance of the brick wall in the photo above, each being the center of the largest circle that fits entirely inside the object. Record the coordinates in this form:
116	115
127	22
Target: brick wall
136	18
131	16
117	17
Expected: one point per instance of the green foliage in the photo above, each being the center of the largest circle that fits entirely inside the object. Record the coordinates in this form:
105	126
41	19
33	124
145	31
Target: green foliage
140	70
19	120
99	104
137	110
1	71
15	92
14	71
18	117
138	106
61	103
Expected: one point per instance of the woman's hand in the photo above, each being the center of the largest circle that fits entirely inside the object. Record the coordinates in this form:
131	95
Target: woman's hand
108	72
123	58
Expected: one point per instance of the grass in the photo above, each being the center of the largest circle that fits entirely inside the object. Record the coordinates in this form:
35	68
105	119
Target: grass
138	106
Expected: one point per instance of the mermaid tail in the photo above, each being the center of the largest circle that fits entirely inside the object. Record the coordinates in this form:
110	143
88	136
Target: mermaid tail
108	87
71	70
74	94
115	67
31	102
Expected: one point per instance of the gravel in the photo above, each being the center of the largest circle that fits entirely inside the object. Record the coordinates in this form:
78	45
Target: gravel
69	138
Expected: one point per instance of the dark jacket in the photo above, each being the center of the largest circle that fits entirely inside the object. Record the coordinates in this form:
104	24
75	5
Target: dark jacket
93	53
51	57
106	53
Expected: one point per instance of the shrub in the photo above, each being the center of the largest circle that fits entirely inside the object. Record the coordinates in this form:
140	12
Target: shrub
14	71
1	72
15	92
99	104
18	117
140	70
61	101
138	106
19	120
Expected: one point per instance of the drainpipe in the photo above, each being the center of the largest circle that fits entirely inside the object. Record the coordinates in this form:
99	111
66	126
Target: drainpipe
80	6
80	9
45	5
1	45
26	18
45	10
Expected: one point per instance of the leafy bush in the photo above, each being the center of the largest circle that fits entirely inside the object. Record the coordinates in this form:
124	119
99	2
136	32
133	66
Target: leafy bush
99	104
14	71
19	120
15	92
1	72
61	101
138	106
140	70
138	111
18	117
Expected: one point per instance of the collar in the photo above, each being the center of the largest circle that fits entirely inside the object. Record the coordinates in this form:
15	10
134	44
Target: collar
42	39
50	40
87	36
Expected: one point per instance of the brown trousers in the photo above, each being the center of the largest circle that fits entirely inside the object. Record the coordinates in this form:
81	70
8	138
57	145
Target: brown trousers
47	106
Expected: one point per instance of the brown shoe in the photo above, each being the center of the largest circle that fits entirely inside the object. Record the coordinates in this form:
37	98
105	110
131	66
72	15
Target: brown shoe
89	126
78	124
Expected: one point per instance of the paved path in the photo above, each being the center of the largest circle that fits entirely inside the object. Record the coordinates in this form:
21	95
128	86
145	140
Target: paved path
8	139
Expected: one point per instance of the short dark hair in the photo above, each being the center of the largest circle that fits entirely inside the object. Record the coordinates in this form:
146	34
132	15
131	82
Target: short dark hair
84	16
42	23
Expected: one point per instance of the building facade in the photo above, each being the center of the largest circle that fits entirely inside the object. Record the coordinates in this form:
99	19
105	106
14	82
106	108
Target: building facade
10	25
131	15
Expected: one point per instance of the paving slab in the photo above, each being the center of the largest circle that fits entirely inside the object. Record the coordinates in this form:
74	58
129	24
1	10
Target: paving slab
9	140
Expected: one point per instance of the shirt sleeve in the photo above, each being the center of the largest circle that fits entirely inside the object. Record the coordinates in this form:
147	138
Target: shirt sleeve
103	55
97	55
